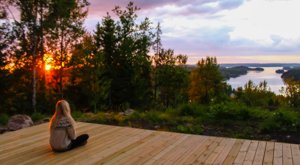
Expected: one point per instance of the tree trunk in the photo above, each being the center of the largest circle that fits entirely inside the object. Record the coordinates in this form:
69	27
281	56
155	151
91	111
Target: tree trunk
61	65
34	61
43	83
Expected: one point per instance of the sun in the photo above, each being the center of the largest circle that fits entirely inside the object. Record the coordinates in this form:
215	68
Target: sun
47	67
48	61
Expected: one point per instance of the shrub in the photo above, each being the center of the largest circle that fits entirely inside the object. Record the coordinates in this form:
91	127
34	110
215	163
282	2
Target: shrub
192	110
230	111
36	116
153	117
77	115
194	129
281	121
3	119
101	117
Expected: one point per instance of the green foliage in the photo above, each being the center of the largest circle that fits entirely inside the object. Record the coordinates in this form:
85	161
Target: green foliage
110	70
3	119
281	121
206	81
78	115
192	110
173	91
189	129
126	61
38	116
292	92
257	95
229	111
236	111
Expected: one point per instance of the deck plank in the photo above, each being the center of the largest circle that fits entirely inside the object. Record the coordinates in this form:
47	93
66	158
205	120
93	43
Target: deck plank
269	153
233	152
222	156
242	153
166	150
214	155
203	157
144	151
199	151
278	156
295	153
260	152
251	153
287	154
114	145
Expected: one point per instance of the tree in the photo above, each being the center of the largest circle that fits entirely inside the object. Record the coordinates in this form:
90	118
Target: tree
125	45
6	40
29	37
106	42
206	81
257	95
65	24
86	74
157	45
292	92
171	79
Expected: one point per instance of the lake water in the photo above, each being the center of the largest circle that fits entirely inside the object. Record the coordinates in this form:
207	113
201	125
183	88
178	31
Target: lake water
273	79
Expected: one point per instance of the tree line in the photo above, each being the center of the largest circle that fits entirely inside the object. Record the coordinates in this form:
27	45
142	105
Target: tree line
108	69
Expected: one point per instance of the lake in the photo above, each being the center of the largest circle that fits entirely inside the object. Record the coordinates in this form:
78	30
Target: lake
273	79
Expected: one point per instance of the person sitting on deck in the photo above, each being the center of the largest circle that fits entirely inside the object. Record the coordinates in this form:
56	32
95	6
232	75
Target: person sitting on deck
62	129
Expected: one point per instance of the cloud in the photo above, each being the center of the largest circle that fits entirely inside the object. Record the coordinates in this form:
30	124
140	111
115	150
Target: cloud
230	4
218	27
179	7
276	39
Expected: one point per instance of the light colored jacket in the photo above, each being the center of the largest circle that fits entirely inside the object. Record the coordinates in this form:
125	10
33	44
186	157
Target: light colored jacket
61	135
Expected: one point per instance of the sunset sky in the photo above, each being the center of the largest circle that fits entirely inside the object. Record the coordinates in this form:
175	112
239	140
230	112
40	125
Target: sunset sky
232	30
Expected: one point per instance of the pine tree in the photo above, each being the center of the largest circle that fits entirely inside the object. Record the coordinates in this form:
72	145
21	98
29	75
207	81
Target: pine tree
65	23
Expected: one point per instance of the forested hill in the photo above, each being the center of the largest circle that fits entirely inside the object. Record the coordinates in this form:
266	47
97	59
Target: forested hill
232	71
293	74
262	65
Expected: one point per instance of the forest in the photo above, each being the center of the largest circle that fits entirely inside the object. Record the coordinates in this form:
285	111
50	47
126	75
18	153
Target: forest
46	55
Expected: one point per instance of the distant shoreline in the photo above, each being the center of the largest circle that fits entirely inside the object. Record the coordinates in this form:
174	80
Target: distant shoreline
255	64
262	64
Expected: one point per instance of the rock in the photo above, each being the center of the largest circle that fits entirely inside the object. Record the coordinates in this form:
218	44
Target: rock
128	112
18	122
122	113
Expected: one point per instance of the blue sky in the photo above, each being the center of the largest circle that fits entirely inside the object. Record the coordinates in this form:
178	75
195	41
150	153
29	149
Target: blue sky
232	30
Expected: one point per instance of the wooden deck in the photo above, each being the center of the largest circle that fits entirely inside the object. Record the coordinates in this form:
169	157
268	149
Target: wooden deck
122	145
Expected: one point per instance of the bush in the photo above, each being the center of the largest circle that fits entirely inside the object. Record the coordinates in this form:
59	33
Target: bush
36	116
229	111
192	110
77	115
101	117
3	119
194	129
153	117
281	121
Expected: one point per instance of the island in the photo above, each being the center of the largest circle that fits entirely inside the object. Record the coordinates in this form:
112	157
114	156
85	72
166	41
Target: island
236	71
280	71
291	74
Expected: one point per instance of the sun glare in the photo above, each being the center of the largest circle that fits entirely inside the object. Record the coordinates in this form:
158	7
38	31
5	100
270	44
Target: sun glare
47	67
48	60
